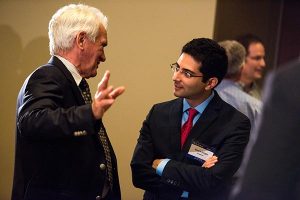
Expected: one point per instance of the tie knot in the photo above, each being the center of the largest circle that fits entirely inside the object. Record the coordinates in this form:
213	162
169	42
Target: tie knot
192	113
83	85
187	126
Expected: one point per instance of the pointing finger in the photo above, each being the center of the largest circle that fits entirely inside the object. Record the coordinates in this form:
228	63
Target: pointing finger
104	81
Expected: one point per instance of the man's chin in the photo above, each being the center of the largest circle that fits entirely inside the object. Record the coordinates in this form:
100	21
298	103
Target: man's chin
91	75
258	76
94	73
177	94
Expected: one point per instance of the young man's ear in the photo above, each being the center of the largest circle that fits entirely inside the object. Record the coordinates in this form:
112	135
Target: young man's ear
211	83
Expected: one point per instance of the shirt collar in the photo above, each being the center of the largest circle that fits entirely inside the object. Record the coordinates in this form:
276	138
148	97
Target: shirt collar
201	107
71	68
252	86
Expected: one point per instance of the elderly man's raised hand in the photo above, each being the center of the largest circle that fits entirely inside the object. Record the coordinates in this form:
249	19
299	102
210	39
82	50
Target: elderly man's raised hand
105	96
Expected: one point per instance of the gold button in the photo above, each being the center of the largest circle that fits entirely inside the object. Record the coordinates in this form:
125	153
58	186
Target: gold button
102	166
98	198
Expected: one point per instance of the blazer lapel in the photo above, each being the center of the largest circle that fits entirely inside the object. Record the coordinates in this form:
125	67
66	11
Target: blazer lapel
56	62
175	116
207	118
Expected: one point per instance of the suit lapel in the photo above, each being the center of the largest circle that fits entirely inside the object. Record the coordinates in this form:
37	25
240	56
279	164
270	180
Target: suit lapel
175	116
57	63
207	118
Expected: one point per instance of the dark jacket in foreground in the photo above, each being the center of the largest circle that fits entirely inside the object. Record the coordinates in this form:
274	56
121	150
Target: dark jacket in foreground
273	168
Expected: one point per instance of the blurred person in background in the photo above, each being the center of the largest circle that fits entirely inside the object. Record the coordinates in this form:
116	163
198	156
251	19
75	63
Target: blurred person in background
229	89
254	64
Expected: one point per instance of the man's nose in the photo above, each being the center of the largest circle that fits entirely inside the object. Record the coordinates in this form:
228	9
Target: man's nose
175	76
262	62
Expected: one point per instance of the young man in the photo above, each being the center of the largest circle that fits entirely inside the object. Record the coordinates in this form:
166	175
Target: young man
173	158
62	149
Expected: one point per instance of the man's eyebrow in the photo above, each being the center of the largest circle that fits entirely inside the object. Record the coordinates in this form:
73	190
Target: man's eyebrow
187	70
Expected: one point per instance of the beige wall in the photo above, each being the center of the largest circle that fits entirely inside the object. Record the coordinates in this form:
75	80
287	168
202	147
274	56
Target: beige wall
144	38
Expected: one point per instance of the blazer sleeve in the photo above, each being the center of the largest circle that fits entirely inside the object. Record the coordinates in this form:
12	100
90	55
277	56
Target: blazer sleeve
143	175
229	132
47	108
195	178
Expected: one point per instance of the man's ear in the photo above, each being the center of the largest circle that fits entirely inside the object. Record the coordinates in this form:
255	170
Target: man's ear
211	83
80	39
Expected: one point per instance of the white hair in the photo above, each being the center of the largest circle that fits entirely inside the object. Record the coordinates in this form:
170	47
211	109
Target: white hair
236	53
70	20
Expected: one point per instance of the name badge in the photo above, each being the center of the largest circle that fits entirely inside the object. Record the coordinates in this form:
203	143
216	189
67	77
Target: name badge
199	152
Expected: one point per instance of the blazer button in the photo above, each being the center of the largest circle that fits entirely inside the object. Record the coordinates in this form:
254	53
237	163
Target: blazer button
98	198
102	166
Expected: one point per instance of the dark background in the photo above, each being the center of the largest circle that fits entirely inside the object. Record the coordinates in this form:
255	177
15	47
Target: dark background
276	22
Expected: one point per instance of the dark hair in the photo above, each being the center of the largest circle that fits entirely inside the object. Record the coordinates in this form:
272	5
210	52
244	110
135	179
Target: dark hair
211	55
248	39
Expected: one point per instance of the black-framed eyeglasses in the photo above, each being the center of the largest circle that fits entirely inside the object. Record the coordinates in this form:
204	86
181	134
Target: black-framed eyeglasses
188	74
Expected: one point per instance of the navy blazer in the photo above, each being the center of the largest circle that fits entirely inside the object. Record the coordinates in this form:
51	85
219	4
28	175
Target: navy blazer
220	127
58	153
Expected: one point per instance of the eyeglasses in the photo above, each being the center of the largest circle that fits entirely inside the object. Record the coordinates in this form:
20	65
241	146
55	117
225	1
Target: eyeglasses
188	74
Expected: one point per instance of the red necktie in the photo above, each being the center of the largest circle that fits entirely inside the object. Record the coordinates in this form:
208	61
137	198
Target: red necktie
187	126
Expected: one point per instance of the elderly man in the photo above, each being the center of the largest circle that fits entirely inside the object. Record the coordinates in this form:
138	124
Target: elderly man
62	149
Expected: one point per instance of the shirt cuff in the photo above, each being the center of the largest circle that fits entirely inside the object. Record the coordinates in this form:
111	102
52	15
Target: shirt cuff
160	168
185	194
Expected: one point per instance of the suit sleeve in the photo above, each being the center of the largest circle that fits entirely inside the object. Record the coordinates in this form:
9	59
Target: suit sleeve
143	175
180	174
192	177
43	113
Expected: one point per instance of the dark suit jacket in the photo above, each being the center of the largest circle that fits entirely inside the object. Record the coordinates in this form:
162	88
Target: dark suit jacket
220	127
58	152
273	170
